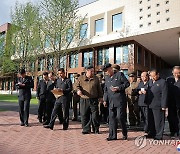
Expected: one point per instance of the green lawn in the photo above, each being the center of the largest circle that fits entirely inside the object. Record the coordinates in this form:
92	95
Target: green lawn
14	99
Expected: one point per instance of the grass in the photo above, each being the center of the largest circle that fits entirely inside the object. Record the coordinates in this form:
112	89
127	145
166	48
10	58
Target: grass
14	99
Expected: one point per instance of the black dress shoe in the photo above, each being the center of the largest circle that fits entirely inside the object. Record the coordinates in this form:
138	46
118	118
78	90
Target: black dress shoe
22	124
46	123
26	125
74	119
49	127
124	137
157	138
85	133
111	139
65	128
149	136
96	132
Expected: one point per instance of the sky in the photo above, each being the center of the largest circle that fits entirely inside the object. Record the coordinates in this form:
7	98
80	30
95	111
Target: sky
7	5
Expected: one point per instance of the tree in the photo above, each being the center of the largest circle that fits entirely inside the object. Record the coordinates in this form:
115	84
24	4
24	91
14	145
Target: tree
61	26
24	32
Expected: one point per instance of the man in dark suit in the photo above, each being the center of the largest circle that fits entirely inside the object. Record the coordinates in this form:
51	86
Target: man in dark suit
50	98
143	101
157	97
63	85
114	92
174	101
42	97
24	85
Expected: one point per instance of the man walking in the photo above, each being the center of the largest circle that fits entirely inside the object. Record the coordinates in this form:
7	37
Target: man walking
89	89
114	92
63	85
24	85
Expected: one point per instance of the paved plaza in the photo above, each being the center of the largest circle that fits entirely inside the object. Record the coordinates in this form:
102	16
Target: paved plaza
15	139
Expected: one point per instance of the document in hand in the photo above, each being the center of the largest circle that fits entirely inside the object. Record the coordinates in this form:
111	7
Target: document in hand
57	93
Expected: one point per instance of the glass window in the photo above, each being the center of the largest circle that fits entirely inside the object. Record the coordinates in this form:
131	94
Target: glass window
32	66
83	31
50	63
139	55
125	71
71	76
41	65
47	42
69	35
117	22
62	61
87	58
73	62
103	56
99	26
121	54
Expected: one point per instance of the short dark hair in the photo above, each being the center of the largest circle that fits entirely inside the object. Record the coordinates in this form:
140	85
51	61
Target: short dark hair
45	73
22	71
61	69
154	70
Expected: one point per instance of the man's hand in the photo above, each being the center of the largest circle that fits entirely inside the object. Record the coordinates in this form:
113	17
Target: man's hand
105	104
79	92
164	109
140	92
144	92
114	89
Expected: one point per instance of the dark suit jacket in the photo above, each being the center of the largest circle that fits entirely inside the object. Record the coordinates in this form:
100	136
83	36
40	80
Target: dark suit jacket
25	92
42	89
50	86
157	94
143	100
173	92
65	85
116	99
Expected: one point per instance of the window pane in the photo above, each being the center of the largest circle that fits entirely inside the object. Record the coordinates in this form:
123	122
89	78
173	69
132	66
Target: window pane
74	61
118	54
87	58
125	71
50	63
106	56
117	21
62	62
125	54
99	26
69	35
47	42
139	55
100	57
83	31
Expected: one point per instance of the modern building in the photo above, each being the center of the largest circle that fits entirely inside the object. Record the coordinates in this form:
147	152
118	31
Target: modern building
137	35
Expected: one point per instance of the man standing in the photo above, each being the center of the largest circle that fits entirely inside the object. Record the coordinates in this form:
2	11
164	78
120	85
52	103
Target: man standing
42	97
89	89
174	101
143	101
50	98
25	83
132	99
114	92
157	97
63	85
76	98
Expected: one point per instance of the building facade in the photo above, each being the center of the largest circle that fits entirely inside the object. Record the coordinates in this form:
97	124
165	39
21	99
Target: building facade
137	35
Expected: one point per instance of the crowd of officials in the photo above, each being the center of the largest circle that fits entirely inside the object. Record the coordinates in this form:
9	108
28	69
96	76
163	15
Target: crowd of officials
111	99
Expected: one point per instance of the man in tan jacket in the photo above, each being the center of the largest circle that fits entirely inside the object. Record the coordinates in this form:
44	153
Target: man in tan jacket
89	89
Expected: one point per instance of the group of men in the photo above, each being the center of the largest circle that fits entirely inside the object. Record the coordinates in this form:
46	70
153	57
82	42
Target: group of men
147	100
